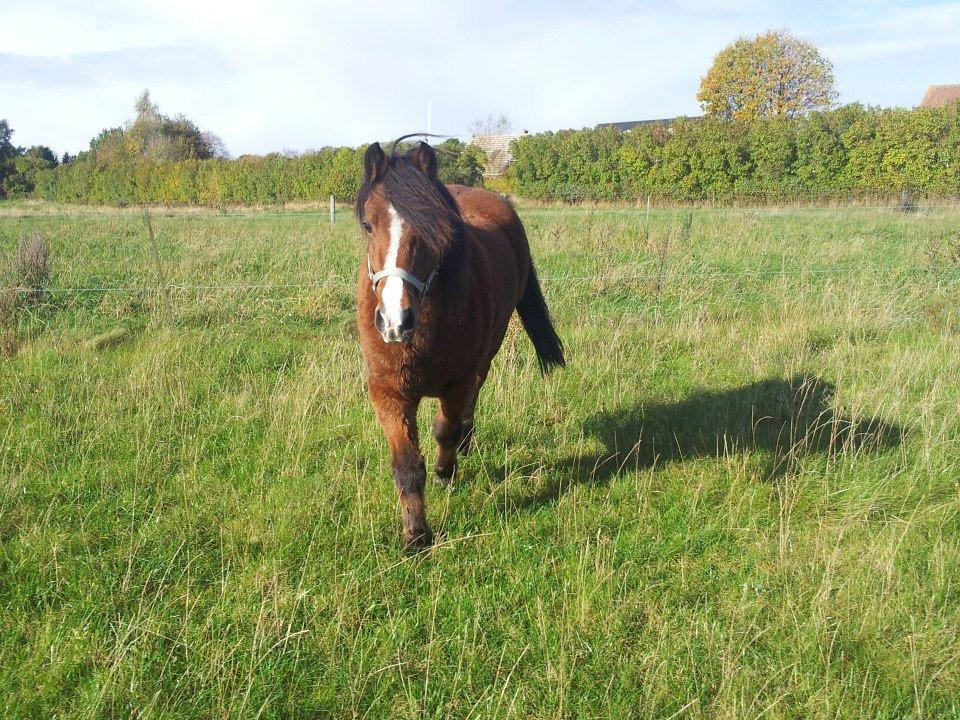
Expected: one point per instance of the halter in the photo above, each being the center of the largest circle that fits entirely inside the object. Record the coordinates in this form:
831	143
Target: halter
421	286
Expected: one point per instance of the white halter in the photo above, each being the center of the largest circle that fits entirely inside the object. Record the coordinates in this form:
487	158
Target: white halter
421	286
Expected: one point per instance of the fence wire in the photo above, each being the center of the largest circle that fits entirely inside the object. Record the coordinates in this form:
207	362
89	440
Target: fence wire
524	212
342	282
659	275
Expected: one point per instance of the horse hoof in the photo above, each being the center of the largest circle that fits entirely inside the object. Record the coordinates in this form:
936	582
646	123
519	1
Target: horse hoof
417	541
444	475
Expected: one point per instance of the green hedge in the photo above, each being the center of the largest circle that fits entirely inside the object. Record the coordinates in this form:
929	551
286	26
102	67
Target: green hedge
850	151
249	180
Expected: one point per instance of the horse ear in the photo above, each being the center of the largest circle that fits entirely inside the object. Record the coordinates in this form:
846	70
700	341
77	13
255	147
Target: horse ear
425	158
374	162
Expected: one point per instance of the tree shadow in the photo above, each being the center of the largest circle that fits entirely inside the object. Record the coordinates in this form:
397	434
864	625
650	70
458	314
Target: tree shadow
787	418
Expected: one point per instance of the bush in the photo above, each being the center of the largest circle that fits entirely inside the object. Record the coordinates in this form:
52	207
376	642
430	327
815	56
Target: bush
460	164
249	180
850	150
503	185
833	154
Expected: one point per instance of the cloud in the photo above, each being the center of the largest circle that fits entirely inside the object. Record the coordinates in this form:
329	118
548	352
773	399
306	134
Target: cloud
895	33
299	74
140	65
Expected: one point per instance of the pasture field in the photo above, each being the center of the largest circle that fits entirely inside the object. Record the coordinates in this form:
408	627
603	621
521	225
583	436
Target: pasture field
741	499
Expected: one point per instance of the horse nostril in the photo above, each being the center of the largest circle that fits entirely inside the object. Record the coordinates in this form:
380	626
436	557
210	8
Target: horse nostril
380	320
407	320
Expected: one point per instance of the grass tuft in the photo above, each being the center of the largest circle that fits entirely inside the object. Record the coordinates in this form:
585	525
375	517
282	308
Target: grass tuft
110	339
31	267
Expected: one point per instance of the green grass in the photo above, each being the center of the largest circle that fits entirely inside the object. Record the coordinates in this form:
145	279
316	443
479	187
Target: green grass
740	499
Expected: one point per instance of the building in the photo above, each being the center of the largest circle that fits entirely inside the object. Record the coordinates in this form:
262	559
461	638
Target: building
497	149
631	124
940	95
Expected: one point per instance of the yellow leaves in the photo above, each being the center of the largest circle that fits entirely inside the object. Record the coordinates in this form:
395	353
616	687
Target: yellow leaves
769	75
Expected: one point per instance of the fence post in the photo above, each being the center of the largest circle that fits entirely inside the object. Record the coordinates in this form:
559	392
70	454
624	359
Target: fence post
647	218
906	200
333	208
158	266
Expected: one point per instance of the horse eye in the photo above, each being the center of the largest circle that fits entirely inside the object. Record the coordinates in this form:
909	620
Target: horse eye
367	228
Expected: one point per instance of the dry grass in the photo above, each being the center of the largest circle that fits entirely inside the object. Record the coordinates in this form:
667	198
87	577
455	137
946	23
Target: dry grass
31	267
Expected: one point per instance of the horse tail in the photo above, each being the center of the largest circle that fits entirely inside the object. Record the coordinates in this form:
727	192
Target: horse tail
535	317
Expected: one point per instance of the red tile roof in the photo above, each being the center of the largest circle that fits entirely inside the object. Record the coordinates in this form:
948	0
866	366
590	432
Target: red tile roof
940	95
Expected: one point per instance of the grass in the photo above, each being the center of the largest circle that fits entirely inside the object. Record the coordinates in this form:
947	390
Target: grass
740	499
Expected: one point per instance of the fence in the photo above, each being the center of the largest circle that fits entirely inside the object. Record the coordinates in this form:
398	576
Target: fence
165	287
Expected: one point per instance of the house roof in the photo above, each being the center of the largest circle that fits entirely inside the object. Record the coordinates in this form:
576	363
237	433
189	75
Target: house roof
497	149
631	124
940	95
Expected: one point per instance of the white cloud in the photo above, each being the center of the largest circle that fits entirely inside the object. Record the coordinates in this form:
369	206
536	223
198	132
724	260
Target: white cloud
890	55
900	31
296	74
150	64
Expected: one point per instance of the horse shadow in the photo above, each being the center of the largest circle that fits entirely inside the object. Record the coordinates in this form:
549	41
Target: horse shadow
787	418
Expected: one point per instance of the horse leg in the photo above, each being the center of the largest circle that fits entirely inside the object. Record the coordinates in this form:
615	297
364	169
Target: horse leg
467	416
449	428
398	418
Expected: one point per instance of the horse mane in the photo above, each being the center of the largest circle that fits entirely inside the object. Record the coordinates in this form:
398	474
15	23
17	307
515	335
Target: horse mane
422	201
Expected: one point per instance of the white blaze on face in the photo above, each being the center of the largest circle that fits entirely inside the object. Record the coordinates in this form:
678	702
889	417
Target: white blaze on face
393	286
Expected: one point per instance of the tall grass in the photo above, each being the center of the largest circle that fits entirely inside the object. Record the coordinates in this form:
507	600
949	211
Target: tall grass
740	499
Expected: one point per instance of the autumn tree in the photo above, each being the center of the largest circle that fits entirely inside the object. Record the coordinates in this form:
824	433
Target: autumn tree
155	136
774	74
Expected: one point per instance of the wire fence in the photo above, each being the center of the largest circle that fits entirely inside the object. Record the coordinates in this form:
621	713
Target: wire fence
656	274
343	282
293	214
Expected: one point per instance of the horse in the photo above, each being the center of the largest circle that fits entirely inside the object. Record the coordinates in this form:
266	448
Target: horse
444	269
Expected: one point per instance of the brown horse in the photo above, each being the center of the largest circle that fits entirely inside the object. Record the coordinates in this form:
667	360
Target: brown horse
445	268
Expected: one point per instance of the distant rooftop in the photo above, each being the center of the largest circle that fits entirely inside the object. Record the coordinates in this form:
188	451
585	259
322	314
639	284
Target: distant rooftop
497	148
940	95
631	124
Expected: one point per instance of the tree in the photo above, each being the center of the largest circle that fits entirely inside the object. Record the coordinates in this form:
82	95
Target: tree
774	74
8	152
23	168
155	136
460	164
491	125
214	145
107	146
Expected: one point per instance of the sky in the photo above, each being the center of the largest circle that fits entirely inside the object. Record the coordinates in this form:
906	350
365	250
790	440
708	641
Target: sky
294	75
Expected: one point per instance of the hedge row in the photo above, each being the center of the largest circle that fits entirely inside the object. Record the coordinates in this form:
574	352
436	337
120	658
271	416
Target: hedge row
249	180
841	153
850	151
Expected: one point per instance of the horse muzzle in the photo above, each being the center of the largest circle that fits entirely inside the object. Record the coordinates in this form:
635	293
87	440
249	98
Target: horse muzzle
392	332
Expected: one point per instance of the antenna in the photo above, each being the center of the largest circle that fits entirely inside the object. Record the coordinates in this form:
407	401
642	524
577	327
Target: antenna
429	118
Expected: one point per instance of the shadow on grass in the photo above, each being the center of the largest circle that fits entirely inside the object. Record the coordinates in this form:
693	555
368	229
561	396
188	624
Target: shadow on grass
786	418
